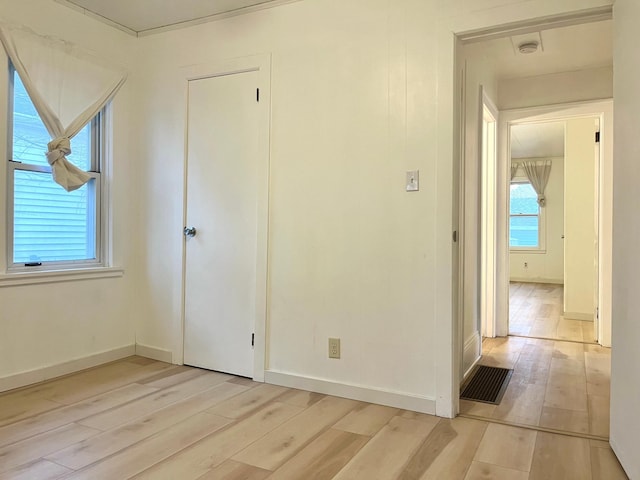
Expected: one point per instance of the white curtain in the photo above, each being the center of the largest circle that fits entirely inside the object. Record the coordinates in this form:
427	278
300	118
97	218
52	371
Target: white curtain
68	87
538	174
514	169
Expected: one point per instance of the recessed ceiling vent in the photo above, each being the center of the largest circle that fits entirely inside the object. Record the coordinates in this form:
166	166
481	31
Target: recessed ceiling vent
528	47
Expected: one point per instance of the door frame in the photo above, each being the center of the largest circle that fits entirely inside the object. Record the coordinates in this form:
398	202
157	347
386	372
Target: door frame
262	65
602	109
489	158
483	24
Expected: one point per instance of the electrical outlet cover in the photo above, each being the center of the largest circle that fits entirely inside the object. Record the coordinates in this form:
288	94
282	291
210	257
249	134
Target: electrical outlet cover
334	348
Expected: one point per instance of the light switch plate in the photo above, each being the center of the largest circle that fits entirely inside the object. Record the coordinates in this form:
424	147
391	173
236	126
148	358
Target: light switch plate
413	180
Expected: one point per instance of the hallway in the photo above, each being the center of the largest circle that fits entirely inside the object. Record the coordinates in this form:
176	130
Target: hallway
561	377
556	385
535	310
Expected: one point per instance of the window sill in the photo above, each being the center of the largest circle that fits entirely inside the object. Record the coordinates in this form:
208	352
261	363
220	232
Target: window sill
525	250
56	276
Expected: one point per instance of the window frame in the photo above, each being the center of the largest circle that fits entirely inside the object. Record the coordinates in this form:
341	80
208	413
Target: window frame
97	136
541	247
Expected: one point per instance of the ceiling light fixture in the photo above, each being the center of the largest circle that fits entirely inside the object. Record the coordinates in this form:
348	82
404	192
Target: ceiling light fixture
528	47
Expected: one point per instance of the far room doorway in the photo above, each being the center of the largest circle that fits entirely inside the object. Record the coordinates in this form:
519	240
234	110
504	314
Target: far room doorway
559	250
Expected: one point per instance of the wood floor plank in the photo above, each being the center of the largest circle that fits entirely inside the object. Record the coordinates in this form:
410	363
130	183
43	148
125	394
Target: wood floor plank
142	455
301	398
487	471
172	376
15	410
566	397
279	445
508	447
247	402
386	454
447	452
96	448
323	458
138	360
231	470
366	419
599	408
565	420
605	465
212	451
38	470
479	409
560	456
160	399
49	390
52	419
34	448
97	385
521	404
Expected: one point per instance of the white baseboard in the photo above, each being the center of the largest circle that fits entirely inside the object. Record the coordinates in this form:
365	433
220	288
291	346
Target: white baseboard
45	373
154	353
471	353
555	281
405	401
578	316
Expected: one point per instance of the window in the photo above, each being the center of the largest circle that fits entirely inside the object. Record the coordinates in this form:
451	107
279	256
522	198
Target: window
49	226
525	223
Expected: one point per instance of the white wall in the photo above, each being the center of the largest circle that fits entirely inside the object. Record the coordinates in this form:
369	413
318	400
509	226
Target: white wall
478	72
547	266
351	253
50	324
580	219
625	356
354	91
562	87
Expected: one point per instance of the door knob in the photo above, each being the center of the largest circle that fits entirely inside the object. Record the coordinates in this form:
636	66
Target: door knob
189	231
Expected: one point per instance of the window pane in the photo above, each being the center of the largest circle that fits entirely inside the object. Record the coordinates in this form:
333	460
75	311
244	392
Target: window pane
524	199
523	232
51	224
30	137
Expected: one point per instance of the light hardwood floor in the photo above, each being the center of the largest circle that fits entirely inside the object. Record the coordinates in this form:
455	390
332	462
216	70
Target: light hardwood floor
555	384
142	419
535	310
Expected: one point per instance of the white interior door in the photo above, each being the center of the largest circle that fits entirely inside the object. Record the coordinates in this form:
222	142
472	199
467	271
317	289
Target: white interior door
222	207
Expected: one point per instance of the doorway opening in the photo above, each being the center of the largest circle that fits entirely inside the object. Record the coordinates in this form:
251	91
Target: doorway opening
560	380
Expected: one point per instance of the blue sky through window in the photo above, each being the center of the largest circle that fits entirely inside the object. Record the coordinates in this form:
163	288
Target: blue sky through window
523	230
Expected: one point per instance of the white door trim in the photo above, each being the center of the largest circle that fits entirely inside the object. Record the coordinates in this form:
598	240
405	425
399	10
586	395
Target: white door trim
262	65
488	195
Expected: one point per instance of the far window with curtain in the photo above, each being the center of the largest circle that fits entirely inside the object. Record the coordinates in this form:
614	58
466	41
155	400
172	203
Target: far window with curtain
49	225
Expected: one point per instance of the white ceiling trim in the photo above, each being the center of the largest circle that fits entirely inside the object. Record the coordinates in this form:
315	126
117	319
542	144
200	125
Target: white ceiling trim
177	25
535	25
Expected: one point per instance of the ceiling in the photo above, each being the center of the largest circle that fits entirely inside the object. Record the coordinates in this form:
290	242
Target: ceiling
565	49
536	140
146	16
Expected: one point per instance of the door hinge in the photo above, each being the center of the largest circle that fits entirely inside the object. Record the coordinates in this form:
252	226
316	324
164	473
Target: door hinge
597	313
597	137
455	235
257	94
253	339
